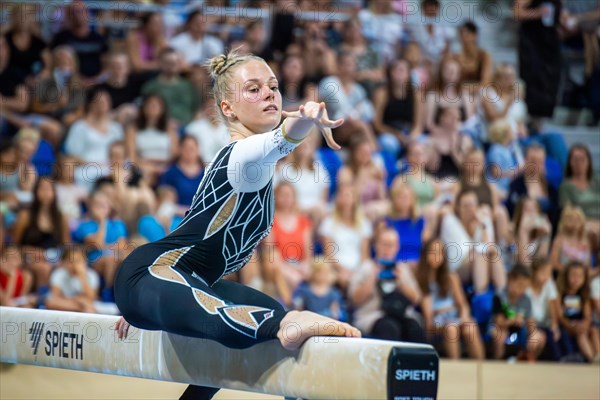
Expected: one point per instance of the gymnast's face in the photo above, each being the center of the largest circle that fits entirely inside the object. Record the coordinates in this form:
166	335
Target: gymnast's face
256	100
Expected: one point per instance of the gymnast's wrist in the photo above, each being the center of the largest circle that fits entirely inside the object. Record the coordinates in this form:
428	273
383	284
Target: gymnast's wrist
285	135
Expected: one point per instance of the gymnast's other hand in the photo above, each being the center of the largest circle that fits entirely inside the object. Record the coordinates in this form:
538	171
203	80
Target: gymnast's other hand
317	113
297	326
122	328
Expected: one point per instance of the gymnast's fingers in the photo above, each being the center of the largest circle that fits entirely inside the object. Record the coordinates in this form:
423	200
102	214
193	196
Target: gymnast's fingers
332	124
291	114
328	135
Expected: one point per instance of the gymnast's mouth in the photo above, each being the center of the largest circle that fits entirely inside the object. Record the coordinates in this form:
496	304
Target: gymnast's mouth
271	107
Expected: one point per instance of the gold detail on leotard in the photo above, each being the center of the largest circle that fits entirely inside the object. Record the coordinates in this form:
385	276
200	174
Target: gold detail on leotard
241	315
223	215
162	266
208	302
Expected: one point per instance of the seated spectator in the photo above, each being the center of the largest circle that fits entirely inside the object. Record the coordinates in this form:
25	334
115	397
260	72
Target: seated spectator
209	130
404	216
383	28
15	282
397	108
383	294
470	224
309	178
421	70
318	294
444	305
26	144
42	231
472	177
254	41
194	44
426	187
145	43
475	62
73	286
575	312
14	95
345	235
122	86
186	172
345	98
513	321
70	197
504	157
369	72
571	242
89	45
448	146
179	95
28	52
319	58
104	240
366	176
58	99
544	306
292	80
502	98
532	231
14	189
153	227
533	182
581	188
434	39
152	139
89	138
289	245
595	296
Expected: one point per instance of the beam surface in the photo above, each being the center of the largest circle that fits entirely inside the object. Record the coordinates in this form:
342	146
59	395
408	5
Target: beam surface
331	368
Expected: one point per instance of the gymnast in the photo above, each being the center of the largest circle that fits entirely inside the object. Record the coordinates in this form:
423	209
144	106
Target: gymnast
175	284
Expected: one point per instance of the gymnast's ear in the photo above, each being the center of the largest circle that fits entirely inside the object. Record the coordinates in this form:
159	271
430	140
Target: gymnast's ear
227	109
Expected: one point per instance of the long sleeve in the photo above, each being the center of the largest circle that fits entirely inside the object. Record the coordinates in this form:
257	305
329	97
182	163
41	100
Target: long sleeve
252	161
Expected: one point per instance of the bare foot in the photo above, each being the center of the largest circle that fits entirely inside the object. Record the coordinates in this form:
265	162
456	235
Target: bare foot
297	326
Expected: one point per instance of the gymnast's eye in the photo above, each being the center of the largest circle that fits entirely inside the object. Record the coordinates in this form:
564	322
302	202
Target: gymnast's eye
275	88
253	89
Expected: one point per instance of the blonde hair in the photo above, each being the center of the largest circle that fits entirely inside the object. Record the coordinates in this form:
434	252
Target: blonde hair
499	130
568	212
221	70
399	184
321	266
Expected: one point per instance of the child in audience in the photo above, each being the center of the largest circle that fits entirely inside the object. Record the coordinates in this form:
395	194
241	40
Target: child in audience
15	283
544	306
319	295
513	321
575	311
73	286
444	305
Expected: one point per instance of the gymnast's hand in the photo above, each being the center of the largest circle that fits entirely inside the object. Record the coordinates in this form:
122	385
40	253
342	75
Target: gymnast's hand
122	328
317	113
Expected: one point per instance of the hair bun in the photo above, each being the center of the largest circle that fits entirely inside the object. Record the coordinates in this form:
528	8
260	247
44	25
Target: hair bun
218	65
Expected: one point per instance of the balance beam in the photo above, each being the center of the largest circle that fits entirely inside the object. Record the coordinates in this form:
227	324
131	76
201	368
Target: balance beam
324	367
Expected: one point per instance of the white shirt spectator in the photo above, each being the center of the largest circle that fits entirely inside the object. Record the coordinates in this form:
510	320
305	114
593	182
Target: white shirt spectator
197	51
70	285
458	242
432	45
210	138
341	104
383	31
540	307
347	239
309	185
153	144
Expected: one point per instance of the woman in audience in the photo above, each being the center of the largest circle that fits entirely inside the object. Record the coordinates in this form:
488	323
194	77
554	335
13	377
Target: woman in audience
571	242
289	245
444	305
581	188
575	311
309	178
152	141
469	224
475	62
41	230
292	81
397	107
89	138
187	171
367	177
545	306
208	129
532	231
472	177
70	196
345	235
145	43
319	58
405	218
426	187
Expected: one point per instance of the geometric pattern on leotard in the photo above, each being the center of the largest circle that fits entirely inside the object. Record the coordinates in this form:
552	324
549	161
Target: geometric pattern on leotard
246	319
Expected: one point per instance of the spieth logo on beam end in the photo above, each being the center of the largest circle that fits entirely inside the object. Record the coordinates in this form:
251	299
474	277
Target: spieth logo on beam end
57	344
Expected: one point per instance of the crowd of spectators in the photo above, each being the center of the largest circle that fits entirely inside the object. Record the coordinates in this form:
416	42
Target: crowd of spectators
450	216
